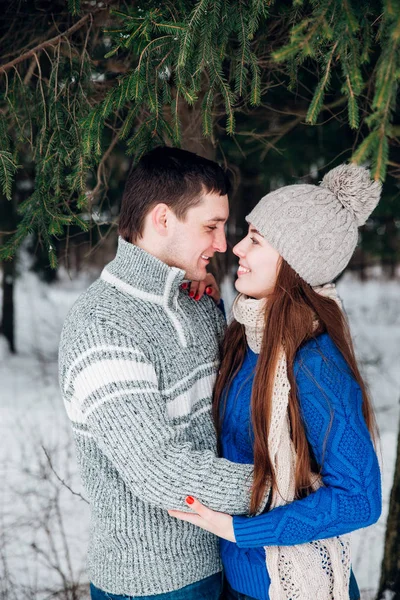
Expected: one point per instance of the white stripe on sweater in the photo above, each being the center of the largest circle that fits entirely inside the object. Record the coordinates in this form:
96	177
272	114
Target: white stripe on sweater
82	432
192	375
77	415
104	372
94	350
113	396
129	289
183	404
195	413
156	299
74	411
172	316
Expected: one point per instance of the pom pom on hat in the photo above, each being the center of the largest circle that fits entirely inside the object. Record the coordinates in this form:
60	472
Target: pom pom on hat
354	189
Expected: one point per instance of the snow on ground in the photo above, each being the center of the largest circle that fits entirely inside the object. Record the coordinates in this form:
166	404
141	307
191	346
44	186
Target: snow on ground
44	526
373	311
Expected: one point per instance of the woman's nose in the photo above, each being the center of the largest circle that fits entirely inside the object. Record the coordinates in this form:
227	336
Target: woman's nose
238	249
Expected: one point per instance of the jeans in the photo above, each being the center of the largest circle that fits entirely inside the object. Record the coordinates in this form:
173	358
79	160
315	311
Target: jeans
229	593
206	589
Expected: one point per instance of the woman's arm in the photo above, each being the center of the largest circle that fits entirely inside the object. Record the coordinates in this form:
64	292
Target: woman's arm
350	498
331	404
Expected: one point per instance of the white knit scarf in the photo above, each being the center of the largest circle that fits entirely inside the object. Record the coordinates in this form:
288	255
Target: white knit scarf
319	569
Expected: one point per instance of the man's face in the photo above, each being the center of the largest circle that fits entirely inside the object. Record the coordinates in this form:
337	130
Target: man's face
195	240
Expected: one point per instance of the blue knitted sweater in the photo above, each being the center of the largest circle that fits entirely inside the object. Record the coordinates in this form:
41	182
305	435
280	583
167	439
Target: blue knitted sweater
331	406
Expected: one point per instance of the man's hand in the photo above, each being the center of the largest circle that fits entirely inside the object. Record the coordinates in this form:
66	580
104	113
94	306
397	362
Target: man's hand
207	285
215	522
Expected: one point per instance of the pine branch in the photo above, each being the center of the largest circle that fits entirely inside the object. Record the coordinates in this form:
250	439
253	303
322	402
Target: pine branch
381	156
200	62
74	6
8	168
316	103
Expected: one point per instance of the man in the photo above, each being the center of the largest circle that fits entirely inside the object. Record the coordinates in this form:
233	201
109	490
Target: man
138	360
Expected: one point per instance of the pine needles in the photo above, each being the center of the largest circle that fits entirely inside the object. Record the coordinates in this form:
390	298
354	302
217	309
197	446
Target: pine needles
214	57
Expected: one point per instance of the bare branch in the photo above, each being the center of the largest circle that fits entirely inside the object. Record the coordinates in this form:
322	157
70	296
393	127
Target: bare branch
100	168
62	480
31	70
51	42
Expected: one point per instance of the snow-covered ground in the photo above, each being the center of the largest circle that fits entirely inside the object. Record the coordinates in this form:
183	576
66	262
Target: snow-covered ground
373	311
44	525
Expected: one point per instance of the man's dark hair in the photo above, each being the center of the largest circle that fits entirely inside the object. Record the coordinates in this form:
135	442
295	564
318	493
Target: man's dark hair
175	177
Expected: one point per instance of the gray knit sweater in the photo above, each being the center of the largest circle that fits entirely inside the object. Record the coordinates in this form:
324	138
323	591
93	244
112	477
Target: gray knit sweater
138	360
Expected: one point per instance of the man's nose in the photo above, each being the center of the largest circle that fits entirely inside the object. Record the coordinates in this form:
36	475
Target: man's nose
220	244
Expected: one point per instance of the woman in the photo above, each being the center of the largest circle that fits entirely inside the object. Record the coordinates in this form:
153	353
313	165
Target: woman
290	398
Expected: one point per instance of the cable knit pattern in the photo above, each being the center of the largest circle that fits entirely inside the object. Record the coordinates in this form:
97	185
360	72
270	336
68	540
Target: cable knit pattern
320	569
350	498
315	228
138	360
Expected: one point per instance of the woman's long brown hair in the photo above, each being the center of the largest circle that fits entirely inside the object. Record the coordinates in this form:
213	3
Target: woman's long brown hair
290	320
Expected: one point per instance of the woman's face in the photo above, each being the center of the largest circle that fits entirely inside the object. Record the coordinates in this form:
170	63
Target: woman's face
258	265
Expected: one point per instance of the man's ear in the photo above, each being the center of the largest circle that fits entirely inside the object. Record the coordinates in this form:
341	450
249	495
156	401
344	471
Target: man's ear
160	216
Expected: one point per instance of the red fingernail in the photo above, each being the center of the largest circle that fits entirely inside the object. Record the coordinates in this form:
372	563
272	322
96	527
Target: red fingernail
208	290
189	499
191	294
184	286
197	296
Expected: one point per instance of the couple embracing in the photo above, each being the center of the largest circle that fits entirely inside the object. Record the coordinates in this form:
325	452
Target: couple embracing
246	450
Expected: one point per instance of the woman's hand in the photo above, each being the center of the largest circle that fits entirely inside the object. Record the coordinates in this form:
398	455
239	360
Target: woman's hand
207	285
215	522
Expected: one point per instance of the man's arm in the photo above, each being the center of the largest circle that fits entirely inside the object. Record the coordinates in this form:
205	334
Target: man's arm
113	391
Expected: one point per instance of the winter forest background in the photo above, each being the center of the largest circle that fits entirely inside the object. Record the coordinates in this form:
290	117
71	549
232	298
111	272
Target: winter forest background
277	92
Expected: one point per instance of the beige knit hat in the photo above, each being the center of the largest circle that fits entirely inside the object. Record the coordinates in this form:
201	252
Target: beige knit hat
315	227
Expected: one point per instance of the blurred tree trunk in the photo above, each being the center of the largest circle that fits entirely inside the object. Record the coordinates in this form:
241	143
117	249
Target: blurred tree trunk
7	324
393	243
193	141
192	131
7	327
362	266
389	586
